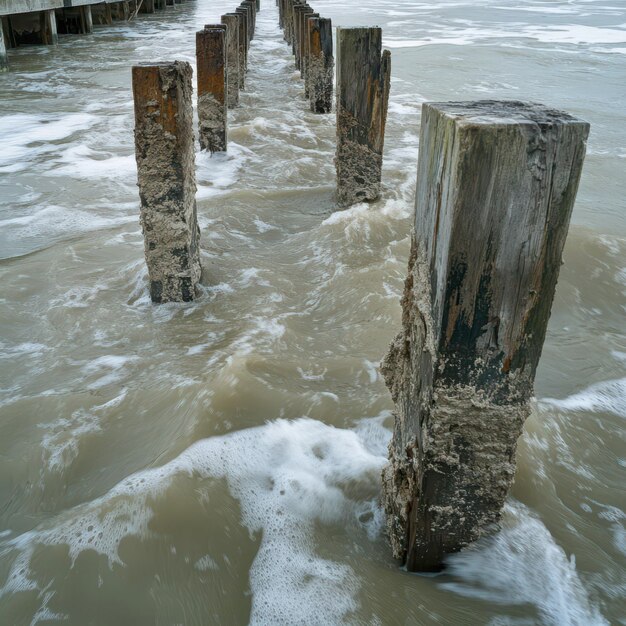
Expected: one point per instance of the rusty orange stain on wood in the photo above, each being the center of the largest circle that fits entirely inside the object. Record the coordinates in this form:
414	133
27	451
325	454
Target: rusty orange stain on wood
149	94
210	57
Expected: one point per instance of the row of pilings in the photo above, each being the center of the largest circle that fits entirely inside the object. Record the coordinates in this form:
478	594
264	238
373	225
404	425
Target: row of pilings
496	184
19	27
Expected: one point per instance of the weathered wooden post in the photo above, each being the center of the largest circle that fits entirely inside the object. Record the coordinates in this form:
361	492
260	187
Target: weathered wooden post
242	47
287	19
320	65
496	184
232	59
211	78
252	6
281	13
298	9
304	43
290	6
164	149
245	42
247	6
362	96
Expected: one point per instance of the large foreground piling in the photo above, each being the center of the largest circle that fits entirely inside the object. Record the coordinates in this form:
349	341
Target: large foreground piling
164	149
231	21
320	65
211	77
363	77
496	184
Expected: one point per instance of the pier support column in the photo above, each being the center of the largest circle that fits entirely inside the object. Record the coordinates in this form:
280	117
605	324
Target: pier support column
121	10
74	21
232	58
164	149
320	65
148	6
211	77
363	77
87	19
49	28
496	184
101	14
4	62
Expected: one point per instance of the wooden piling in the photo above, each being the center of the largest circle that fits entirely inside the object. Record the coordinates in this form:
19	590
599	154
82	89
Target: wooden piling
244	12
252	6
304	43
246	6
496	184
319	79
298	9
231	21
244	42
363	77
211	78
242	47
164	149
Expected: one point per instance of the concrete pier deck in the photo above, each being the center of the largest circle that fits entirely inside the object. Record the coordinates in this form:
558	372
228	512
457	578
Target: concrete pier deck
41	21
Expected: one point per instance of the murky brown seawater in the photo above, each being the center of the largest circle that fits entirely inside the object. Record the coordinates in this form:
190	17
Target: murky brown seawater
144	477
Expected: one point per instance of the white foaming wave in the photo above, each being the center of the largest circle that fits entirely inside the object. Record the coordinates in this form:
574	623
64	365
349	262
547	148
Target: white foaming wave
48	223
61	440
108	369
218	172
287	476
522	564
609	395
82	162
20	131
571	34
